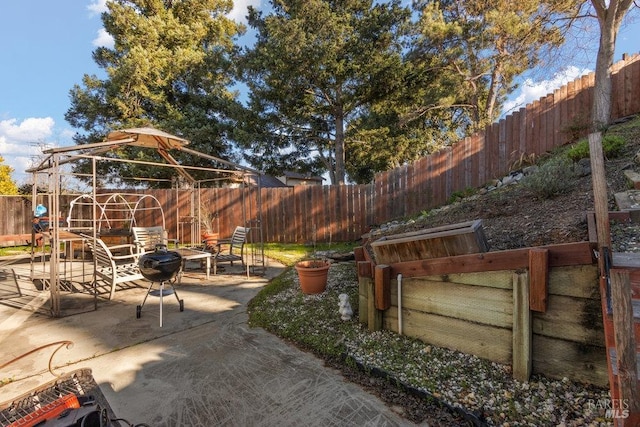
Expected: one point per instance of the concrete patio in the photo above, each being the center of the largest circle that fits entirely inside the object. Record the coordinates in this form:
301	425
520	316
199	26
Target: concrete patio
204	367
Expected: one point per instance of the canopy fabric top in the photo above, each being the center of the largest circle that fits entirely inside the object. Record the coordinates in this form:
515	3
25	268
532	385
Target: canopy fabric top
148	137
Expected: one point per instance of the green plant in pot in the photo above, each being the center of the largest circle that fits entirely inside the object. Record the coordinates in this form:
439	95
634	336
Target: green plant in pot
313	273
206	217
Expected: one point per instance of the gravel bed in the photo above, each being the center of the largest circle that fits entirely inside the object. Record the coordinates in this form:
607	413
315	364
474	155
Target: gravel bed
483	390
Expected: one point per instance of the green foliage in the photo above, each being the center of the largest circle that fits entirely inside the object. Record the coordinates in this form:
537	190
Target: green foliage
461	194
316	66
7	184
612	146
555	176
290	253
169	68
478	51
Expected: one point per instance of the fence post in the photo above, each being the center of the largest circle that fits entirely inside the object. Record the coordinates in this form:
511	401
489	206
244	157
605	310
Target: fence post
522	328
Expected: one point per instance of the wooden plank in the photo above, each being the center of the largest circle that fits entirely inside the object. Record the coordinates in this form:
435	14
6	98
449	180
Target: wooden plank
538	279
556	358
522	330
561	106
487	342
382	287
535	127
478	304
449	240
365	269
635	77
575	281
623	324
556	128
571	319
489	279
363	303
297	217
19	239
567	254
374	316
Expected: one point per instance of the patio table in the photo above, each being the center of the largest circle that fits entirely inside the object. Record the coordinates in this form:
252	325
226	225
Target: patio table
189	254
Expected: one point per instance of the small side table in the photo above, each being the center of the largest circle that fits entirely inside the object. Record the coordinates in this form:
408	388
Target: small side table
193	254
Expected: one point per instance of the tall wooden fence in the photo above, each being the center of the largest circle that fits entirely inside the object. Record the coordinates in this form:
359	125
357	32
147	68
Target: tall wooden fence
344	213
533	130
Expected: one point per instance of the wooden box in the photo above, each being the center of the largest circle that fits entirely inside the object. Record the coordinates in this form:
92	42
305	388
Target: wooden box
449	240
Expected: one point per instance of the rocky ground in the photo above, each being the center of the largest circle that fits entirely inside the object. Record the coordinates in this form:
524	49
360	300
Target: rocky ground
513	217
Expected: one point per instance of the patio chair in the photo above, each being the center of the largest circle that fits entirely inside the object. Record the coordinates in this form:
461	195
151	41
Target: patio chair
115	269
146	238
232	249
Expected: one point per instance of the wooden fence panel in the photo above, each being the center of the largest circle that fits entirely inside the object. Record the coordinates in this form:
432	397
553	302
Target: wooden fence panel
634	105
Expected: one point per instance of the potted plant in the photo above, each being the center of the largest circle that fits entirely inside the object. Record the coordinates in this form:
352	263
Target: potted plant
313	273
206	216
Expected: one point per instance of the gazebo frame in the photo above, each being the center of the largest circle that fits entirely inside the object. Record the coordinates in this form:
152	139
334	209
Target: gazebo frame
147	138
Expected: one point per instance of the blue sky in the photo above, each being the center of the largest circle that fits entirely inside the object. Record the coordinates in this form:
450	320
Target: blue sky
46	48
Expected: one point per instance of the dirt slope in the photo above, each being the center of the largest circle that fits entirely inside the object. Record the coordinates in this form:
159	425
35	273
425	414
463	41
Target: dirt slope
513	217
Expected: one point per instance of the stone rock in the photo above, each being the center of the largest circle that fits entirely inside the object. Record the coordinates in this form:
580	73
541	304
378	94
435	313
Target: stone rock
583	167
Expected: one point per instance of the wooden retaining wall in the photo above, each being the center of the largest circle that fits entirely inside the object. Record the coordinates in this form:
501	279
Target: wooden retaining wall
473	304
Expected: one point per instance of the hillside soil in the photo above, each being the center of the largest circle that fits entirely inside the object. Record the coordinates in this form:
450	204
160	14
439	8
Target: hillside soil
514	217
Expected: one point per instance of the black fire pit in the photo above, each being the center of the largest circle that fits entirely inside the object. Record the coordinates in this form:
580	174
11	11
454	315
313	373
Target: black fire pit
160	266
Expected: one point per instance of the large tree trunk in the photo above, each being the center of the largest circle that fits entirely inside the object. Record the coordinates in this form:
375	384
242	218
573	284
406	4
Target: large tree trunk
609	19
601	113
339	149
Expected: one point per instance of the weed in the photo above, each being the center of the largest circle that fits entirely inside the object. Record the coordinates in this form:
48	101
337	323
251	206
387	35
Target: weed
612	146
461	194
554	177
523	161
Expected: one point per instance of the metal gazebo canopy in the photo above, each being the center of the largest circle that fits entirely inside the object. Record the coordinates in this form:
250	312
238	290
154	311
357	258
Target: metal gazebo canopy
144	137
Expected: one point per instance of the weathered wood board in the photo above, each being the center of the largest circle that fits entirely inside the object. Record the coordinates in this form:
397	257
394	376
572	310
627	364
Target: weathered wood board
474	313
489	342
450	240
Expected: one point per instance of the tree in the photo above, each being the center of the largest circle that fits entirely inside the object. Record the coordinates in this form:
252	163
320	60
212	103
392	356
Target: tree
315	67
482	47
7	184
170	68
610	14
609	19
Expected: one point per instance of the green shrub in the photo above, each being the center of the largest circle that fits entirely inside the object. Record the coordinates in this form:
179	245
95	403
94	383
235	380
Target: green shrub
554	177
461	194
612	146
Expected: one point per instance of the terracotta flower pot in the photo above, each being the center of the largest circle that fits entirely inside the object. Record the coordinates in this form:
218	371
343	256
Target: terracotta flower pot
209	239
313	276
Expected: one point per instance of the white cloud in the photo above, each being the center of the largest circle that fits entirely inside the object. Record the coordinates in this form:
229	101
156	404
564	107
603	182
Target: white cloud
20	142
31	129
239	11
97	7
104	39
531	90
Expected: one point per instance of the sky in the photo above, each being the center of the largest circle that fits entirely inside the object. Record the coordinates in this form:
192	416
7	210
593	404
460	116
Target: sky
46	47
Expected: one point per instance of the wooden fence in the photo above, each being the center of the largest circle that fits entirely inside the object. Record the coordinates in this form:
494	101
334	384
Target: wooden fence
344	213
531	131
